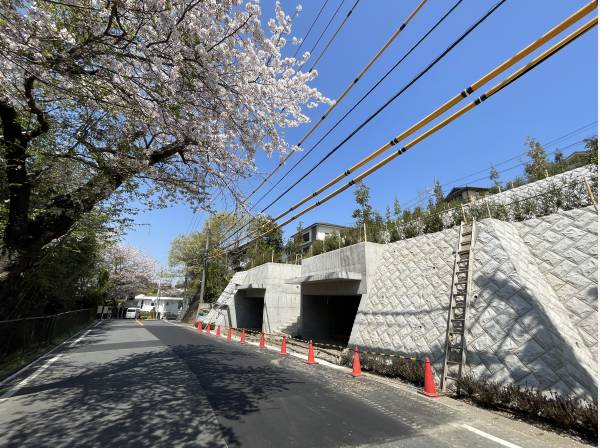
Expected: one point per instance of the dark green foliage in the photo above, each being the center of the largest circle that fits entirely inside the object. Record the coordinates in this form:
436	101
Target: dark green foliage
568	413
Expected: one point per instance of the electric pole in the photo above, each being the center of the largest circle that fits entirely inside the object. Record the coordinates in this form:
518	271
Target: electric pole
203	285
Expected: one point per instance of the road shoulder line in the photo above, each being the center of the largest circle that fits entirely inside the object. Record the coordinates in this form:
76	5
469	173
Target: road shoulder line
45	354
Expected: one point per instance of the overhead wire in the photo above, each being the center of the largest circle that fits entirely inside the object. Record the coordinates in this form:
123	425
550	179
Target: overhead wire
469	106
398	62
415	200
377	112
310	28
452	101
327	27
488	94
333	36
340	97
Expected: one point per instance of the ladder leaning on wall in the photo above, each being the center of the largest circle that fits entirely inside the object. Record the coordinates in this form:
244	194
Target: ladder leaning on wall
456	346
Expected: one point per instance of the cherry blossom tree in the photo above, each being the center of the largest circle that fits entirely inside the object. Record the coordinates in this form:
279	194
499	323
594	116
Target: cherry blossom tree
130	270
165	100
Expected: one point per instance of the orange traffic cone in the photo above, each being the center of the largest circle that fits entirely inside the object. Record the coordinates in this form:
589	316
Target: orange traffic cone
261	343
229	334
243	336
356	372
218	331
198	326
283	351
208	328
429	386
311	354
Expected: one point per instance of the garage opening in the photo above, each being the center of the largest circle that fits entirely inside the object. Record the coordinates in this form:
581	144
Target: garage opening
249	306
329	319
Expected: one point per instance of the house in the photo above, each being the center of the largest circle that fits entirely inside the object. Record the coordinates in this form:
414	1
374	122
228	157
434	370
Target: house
318	232
466	194
163	306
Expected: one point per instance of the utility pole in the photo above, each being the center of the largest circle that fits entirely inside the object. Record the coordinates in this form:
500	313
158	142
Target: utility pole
158	288
203	285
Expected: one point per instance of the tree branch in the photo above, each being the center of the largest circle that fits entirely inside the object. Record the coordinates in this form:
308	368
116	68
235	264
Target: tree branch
43	125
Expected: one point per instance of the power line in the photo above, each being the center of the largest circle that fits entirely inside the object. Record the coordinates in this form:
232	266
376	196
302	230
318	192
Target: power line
310	28
414	201
334	35
452	101
306	153
337	101
469	106
341	96
326	27
377	112
389	101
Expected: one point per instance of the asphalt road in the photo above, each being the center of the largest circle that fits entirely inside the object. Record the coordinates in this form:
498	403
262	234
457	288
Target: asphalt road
154	384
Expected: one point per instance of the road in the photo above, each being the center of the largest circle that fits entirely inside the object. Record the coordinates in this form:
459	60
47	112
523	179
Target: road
154	384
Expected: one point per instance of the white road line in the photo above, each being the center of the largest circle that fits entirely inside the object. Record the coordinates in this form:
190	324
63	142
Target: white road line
14	389
490	437
28	366
74	343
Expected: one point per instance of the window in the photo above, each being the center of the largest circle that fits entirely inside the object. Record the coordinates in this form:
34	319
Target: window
306	237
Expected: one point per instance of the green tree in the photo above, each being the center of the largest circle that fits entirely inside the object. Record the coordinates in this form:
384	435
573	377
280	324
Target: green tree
438	192
591	145
537	166
495	178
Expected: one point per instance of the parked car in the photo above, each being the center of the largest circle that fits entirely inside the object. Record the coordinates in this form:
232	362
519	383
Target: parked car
132	313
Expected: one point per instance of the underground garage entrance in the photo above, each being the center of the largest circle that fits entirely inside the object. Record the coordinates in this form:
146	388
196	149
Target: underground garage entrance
249	307
328	318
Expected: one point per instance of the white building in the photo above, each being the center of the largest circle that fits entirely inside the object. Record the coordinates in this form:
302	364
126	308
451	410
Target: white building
165	306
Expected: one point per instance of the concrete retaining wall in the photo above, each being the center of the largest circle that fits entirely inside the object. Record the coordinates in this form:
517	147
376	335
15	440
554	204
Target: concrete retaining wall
533	314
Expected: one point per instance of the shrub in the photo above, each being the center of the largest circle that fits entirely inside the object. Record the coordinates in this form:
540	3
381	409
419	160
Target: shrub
564	412
407	369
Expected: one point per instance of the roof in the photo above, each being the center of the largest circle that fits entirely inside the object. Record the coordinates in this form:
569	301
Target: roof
324	224
457	190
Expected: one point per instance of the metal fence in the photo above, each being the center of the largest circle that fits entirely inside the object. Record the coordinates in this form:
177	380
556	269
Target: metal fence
20	335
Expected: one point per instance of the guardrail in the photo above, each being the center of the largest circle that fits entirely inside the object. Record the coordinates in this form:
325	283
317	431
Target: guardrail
19	335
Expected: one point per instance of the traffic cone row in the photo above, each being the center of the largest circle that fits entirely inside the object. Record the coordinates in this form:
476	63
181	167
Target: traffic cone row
429	388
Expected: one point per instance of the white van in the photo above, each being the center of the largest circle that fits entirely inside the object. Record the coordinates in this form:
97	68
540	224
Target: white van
132	313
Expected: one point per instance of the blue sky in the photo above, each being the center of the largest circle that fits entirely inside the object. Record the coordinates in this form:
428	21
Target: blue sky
554	99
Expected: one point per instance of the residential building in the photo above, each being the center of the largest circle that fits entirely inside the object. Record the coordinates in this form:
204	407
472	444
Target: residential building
466	194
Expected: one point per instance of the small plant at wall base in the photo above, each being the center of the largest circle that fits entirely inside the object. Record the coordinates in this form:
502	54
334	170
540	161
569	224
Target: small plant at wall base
393	367
563	412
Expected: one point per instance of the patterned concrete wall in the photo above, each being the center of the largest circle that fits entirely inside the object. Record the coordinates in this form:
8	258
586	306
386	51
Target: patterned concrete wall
565	246
407	307
524	327
534	306
519	330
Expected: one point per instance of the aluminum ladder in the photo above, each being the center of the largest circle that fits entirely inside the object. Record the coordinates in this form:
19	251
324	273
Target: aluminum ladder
456	346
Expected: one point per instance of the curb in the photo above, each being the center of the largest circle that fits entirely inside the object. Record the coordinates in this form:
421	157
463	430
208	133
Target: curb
12	375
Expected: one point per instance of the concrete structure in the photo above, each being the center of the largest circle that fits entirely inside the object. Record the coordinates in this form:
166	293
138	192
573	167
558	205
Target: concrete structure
534	306
258	298
533	311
